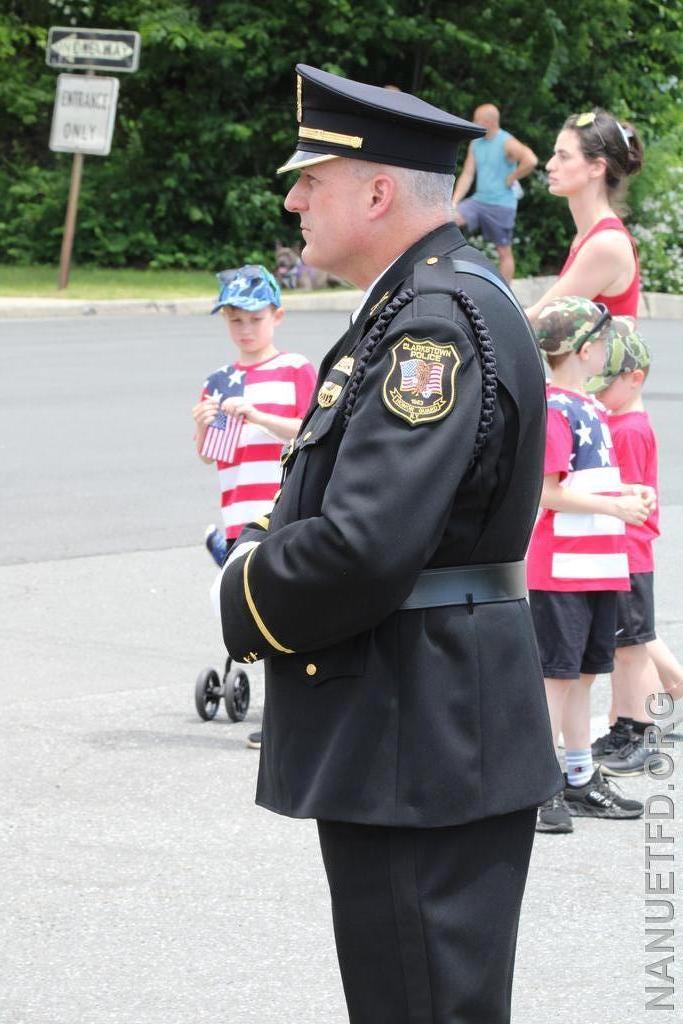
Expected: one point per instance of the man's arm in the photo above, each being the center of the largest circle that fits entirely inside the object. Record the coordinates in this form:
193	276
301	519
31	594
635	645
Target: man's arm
466	177
523	156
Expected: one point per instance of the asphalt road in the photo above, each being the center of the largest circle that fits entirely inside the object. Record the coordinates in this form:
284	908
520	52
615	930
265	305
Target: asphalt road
96	434
139	884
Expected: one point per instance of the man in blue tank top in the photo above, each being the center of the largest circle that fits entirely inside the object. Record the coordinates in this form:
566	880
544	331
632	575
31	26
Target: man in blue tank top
498	161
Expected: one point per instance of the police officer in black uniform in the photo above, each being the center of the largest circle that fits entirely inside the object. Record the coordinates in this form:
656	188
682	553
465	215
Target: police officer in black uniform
404	706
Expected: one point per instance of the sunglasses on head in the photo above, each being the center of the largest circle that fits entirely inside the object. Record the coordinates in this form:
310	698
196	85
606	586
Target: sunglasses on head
605	317
588	119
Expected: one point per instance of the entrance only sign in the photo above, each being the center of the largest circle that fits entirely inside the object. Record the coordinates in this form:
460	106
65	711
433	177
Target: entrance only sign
84	114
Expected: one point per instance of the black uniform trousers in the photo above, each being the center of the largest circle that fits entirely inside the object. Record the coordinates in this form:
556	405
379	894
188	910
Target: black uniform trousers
425	920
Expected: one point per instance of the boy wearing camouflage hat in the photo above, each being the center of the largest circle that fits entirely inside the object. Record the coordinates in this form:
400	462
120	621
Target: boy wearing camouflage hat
630	743
577	560
260	398
269	390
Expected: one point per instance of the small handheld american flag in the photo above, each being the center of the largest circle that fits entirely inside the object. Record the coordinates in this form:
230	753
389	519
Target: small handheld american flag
223	436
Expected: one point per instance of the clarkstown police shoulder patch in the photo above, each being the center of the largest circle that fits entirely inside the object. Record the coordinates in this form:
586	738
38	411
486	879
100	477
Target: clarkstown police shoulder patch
420	384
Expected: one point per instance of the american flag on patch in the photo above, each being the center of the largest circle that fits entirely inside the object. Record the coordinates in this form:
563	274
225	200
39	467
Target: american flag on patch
223	436
421	376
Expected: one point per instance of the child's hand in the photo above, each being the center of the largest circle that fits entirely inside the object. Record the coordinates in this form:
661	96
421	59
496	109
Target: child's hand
633	508
239	407
644	491
205	411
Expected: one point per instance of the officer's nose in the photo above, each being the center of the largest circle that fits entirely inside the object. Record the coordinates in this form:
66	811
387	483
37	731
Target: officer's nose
294	201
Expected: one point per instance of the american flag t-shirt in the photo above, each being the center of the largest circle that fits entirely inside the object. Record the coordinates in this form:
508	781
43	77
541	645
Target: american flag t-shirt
578	551
282	386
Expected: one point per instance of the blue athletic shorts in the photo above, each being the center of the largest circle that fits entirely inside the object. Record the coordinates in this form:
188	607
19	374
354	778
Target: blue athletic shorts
496	223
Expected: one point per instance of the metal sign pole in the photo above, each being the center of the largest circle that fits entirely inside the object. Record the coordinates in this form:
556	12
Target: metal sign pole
70	221
85	107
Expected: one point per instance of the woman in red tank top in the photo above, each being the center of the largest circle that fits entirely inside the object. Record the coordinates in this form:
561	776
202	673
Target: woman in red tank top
594	154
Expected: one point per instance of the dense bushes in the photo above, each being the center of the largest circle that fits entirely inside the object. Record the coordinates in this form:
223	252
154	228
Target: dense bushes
209	115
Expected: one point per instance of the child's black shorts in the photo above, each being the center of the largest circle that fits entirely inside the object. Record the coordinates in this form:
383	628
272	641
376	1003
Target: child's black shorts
636	611
575	631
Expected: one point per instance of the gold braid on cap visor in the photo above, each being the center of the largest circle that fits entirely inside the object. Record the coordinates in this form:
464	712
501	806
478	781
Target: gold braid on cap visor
334	138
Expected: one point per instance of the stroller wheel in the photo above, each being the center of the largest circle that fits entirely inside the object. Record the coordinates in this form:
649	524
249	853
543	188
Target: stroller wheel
237	695
207	694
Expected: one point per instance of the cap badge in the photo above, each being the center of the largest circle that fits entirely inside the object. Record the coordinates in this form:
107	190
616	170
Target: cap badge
420	384
299	89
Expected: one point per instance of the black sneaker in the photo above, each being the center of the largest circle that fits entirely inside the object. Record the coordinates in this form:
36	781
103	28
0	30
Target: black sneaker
553	816
618	736
631	758
254	740
597	799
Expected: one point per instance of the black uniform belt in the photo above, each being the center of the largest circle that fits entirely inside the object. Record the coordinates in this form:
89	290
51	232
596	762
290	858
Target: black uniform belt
468	584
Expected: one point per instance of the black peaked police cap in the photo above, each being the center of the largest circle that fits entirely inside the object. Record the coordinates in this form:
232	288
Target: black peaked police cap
339	117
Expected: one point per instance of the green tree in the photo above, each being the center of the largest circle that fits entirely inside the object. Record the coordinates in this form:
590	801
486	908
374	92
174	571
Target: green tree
209	116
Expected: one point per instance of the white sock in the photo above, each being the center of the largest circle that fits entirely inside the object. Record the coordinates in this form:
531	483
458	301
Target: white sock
579	766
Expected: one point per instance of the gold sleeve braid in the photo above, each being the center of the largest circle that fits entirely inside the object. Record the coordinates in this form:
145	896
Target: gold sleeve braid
254	610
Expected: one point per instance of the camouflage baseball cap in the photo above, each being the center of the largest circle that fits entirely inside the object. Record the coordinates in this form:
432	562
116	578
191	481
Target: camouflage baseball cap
569	321
626	351
250	287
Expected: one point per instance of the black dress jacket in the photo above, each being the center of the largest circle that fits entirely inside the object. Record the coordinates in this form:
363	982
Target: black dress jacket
423	717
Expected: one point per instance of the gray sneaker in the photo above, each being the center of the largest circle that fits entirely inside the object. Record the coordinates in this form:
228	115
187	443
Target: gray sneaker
618	736
632	758
553	816
598	799
254	740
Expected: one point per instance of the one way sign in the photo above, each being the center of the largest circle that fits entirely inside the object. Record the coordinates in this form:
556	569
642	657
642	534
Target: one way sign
95	48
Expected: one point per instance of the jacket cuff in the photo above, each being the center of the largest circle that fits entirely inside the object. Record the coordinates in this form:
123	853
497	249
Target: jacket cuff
246	634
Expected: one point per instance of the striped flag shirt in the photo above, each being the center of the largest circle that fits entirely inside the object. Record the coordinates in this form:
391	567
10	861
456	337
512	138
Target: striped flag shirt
572	551
282	385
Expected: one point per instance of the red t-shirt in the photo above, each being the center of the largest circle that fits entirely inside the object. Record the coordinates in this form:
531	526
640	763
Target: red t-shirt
635	446
626	303
577	551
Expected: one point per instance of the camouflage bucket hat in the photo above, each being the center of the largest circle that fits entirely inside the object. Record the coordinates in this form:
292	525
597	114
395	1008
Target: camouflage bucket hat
567	322
250	287
626	351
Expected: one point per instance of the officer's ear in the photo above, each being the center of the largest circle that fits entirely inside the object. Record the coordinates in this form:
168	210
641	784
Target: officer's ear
382	194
